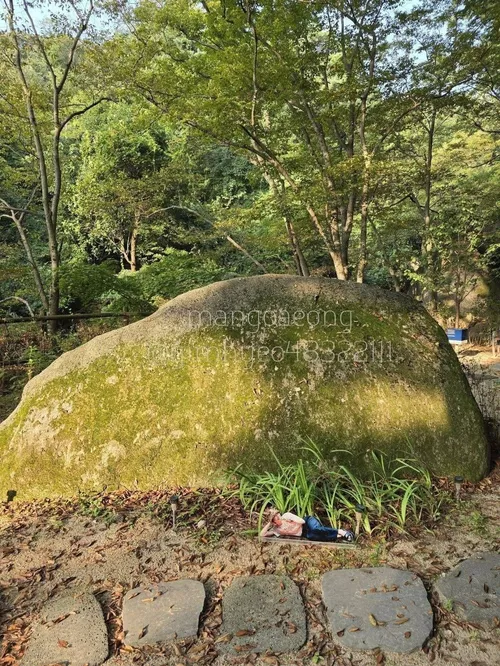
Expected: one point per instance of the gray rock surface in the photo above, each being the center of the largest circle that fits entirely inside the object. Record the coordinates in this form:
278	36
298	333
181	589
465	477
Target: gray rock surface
288	358
472	588
162	612
377	608
262	613
71	631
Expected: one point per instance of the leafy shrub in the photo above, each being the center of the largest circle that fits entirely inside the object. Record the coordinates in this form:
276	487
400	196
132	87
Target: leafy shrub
98	287
95	506
399	492
177	272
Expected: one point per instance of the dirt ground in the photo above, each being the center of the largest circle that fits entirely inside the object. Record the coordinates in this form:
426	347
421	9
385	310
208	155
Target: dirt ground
111	544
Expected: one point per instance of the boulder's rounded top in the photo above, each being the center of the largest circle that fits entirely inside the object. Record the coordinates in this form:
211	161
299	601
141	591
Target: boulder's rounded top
198	308
220	374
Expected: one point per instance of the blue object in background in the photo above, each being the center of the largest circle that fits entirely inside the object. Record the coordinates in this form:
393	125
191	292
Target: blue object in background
457	334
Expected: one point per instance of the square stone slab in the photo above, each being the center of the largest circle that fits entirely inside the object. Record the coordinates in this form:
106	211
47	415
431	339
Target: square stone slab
377	608
473	588
162	612
262	613
71	632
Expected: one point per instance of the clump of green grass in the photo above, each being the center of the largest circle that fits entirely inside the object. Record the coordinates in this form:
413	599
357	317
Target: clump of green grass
94	506
398	493
476	521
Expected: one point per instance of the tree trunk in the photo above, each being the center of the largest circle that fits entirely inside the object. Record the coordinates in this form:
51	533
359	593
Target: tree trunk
430	295
349	223
18	221
54	299
458	314
362	261
54	279
339	264
363	230
300	261
133	249
247	254
339	252
396	280
50	199
365	189
458	300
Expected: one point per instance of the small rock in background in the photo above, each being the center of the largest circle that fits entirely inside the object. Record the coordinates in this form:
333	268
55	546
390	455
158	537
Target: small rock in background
472	588
380	607
71	631
162	612
262	613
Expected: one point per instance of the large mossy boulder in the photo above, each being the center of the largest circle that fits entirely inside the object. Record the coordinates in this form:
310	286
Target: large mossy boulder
221	374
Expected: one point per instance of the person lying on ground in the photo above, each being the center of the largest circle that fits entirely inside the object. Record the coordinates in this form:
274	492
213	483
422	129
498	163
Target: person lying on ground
309	527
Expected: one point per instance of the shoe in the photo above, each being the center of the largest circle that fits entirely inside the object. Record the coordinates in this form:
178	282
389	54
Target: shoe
348	536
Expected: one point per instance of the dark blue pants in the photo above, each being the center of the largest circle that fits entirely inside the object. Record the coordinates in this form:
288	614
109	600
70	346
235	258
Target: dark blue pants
315	531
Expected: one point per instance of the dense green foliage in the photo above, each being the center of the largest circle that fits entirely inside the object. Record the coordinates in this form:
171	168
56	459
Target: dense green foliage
399	492
147	148
358	138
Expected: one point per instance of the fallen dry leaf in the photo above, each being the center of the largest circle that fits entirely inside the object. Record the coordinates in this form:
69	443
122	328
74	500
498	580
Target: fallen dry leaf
245	632
374	622
244	648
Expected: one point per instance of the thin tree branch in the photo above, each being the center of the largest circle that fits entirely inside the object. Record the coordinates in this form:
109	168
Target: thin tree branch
80	112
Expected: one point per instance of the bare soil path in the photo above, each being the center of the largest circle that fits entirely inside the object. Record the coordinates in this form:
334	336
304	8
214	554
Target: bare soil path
117	542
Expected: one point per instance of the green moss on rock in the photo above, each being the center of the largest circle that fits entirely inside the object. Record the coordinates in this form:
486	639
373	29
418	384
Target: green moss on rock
181	396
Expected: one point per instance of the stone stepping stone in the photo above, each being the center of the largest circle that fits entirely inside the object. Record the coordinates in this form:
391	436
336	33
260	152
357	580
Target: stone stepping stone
162	612
71	631
262	613
472	588
377	608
